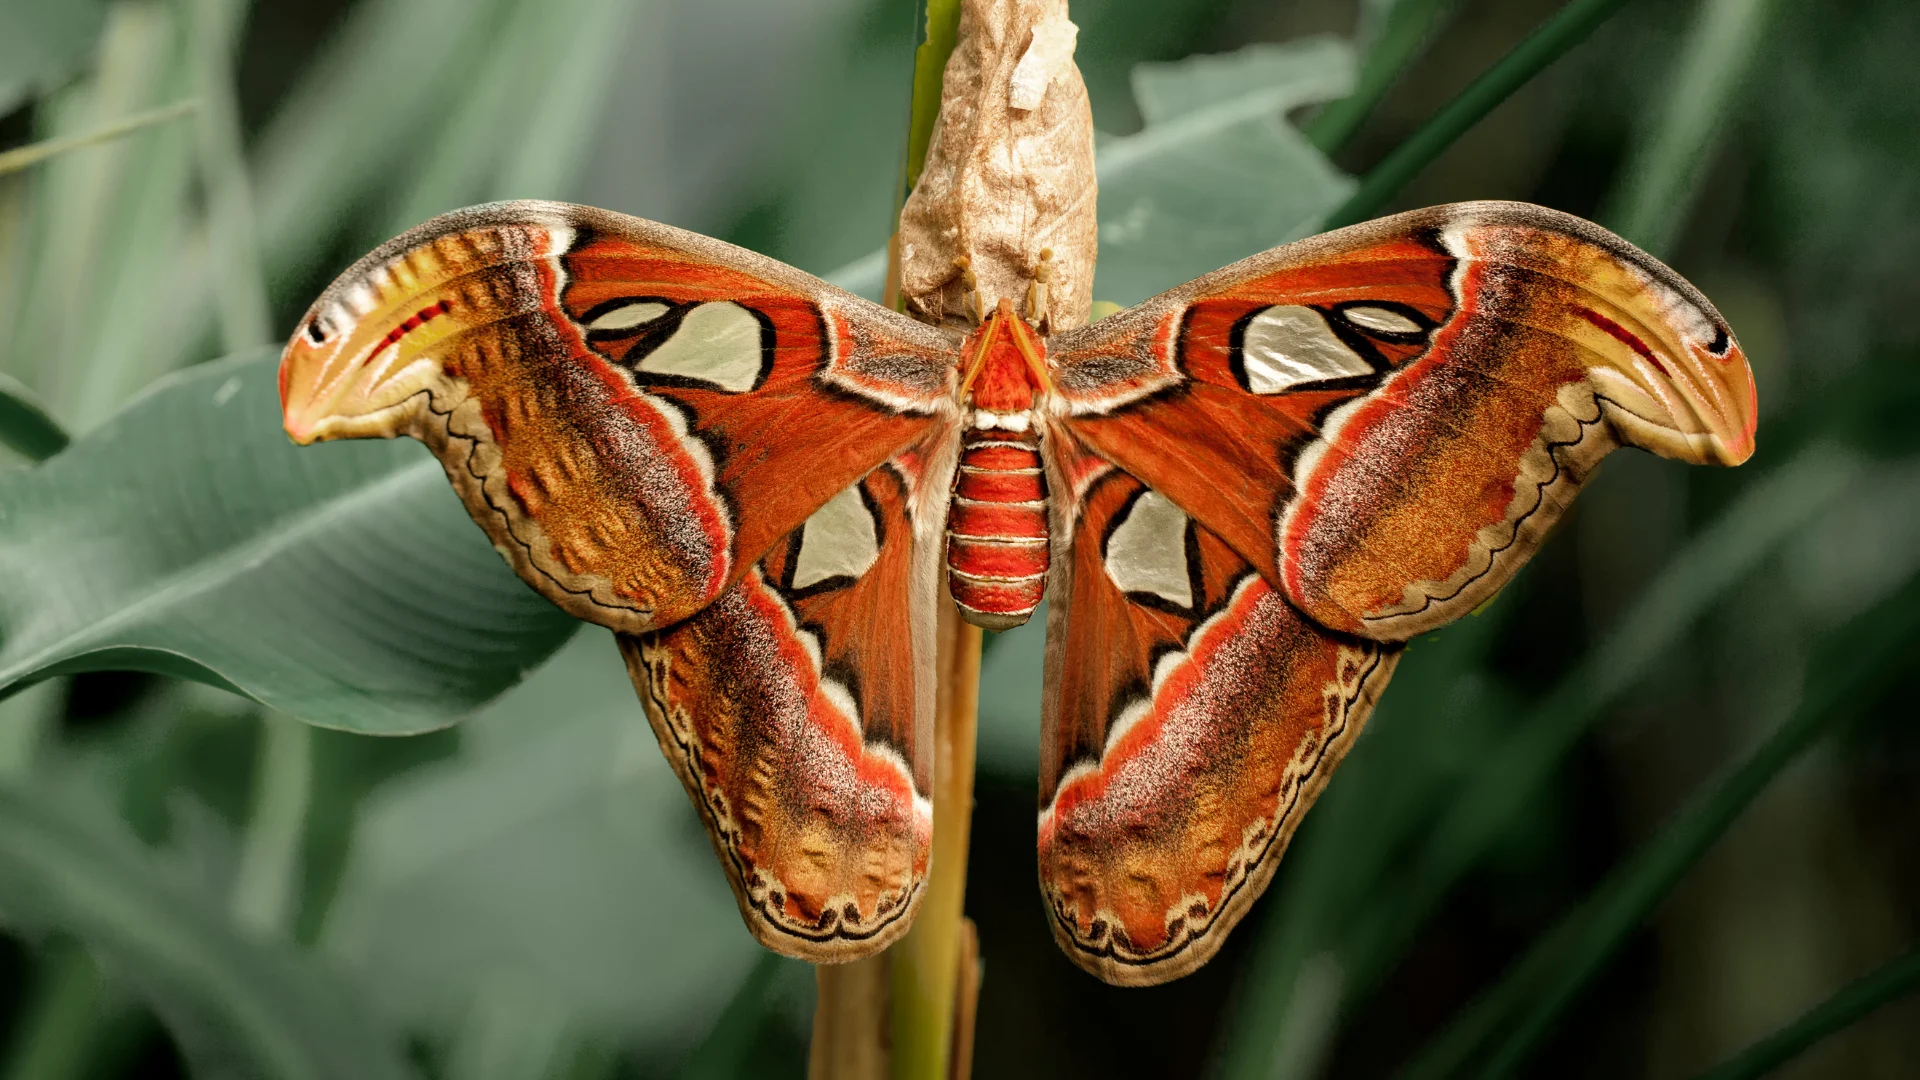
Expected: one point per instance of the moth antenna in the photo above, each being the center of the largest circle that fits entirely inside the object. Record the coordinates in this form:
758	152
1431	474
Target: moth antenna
1037	290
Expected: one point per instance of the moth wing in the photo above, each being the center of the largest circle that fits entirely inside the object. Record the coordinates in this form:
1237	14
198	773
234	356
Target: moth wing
1191	717
635	414
797	710
1386	420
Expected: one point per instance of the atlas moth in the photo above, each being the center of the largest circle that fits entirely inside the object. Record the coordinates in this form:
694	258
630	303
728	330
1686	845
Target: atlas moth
1241	498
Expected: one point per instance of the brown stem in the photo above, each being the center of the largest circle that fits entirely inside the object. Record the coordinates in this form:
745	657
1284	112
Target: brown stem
908	1013
851	1021
927	962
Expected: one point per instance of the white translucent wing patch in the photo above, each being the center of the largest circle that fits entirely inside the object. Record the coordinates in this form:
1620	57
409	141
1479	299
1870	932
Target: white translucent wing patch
1147	550
1287	345
718	343
1383	320
629	316
839	540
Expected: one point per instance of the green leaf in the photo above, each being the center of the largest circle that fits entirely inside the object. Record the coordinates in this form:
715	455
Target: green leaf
25	425
40	42
1850	670
1893	980
1661	178
556	854
1218	173
237	1006
28	156
341	583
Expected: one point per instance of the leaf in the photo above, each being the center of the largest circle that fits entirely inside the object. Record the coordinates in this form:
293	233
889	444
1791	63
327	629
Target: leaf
40	42
1218	173
556	854
1850	670
343	584
238	1007
1889	982
25	157
25	425
1393	33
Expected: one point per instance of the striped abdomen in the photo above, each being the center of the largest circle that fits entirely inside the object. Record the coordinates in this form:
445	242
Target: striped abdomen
997	529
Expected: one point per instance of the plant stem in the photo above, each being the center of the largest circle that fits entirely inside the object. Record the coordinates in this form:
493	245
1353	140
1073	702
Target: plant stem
35	153
929	68
1407	29
1892	980
927	962
1549	41
266	886
241	295
851	1021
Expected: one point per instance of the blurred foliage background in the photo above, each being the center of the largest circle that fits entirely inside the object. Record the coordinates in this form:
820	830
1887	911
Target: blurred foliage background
1650	812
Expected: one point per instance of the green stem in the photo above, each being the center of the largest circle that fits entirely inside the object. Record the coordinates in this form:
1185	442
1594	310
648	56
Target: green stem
266	887
1408	29
929	68
1893	980
1548	42
74	1025
241	293
34	154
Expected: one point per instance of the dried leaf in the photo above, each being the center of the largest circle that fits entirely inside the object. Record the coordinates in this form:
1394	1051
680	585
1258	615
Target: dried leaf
1009	181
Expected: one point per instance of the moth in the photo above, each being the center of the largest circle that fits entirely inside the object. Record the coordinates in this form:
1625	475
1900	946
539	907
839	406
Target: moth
1241	498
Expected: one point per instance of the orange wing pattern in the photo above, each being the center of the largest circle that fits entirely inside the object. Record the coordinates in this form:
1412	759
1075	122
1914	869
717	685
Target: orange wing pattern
1256	486
1269	477
797	712
1386	420
1192	716
722	458
610	396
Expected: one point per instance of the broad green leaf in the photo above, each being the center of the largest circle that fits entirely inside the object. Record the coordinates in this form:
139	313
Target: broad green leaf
340	583
25	425
237	1006
1218	173
556	855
